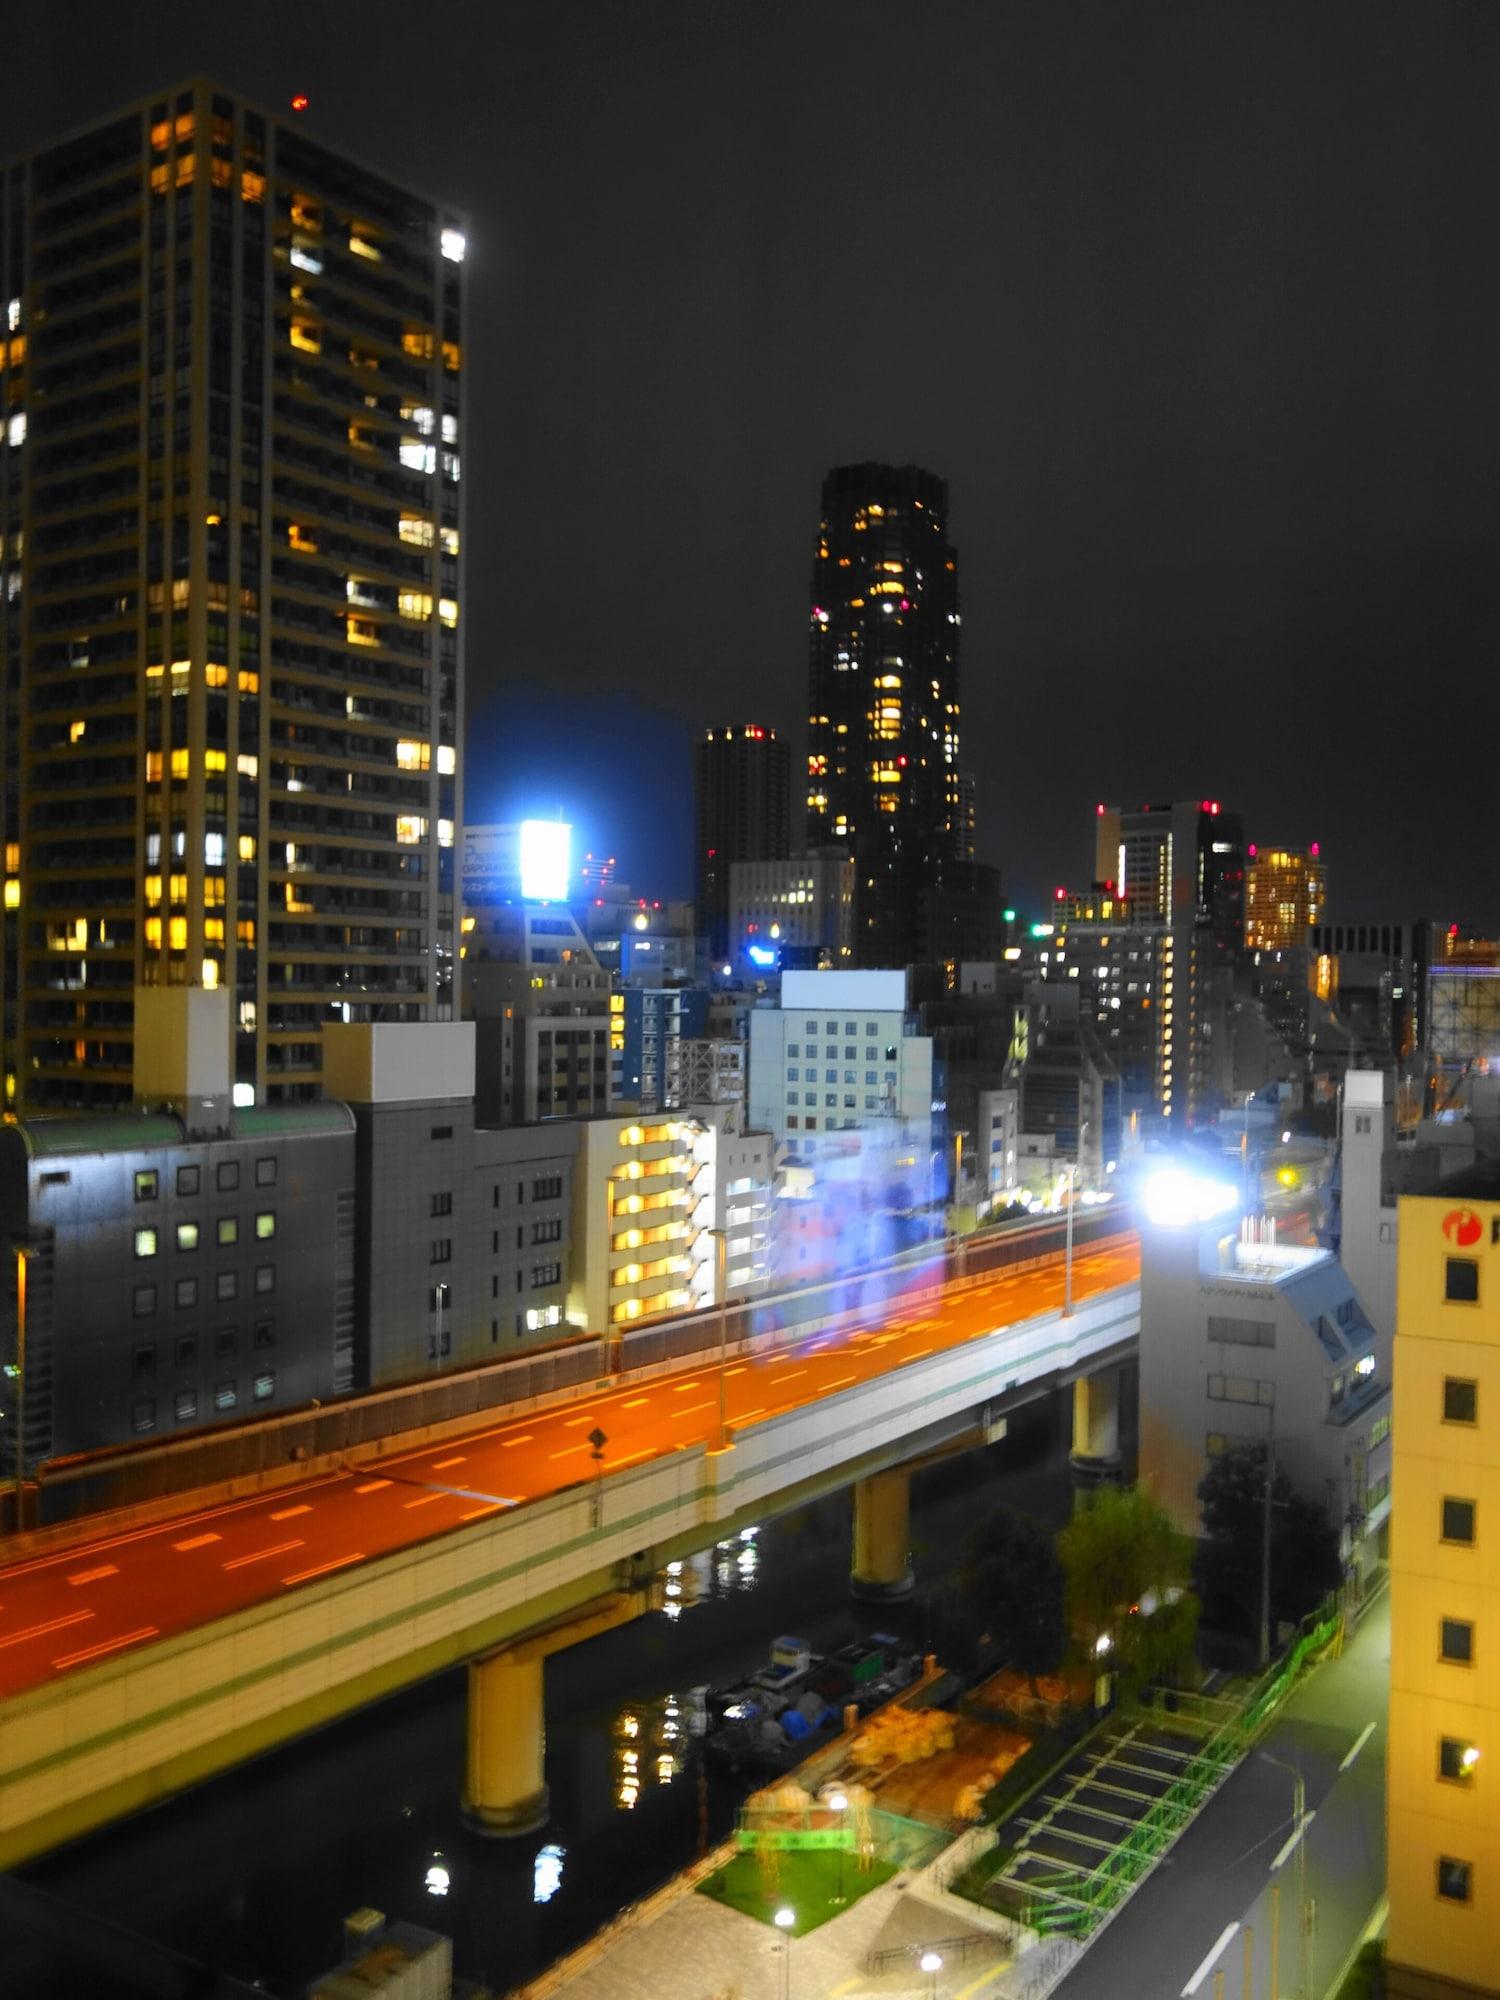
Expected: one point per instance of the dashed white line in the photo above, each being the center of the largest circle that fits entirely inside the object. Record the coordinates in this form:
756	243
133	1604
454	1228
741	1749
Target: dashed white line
1357	1745
106	1646
1207	1966
38	1631
196	1542
286	1513
372	1486
260	1555
93	1575
1292	1838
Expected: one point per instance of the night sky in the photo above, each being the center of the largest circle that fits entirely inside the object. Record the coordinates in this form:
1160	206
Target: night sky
1194	305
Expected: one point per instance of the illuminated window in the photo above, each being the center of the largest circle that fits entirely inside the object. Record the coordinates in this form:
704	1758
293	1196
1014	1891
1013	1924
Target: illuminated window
418	343
248	766
308	335
418	457
145	1243
412	756
177	933
453	245
450	541
445	833
410	829
420	415
447	759
452	356
303	539
215	676
247	847
416	530
12	893
448	610
363	247
414	604
181	762
249	681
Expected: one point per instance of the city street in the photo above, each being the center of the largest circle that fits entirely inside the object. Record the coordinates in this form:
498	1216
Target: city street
1190	1917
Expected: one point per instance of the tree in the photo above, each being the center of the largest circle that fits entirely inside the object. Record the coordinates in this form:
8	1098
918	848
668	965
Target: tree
1015	1584
1126	1567
1305	1563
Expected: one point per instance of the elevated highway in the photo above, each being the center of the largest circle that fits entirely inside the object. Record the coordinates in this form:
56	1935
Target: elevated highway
137	1662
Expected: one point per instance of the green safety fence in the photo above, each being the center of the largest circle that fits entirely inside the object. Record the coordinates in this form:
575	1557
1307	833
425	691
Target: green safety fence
1080	1899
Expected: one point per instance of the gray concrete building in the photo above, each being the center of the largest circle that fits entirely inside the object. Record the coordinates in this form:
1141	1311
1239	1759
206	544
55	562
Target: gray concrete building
178	1274
1244	1341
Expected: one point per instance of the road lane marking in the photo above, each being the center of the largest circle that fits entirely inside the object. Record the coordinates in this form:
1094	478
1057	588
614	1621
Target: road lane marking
1207	1966
1293	1837
572	1423
38	1631
443	1463
737	1371
196	1542
260	1555
287	1512
422	1500
509	1444
570	1450
107	1646
650	1448
842	1382
322	1569
790	1376
372	1486
1357	1745
691	1410
488	1508
93	1575
681	1388
636	1402
744	1416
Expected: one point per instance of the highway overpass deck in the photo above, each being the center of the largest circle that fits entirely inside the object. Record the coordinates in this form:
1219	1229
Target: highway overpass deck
135	1663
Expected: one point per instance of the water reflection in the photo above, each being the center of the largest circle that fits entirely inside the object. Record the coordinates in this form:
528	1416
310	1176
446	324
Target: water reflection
653	1742
547	1872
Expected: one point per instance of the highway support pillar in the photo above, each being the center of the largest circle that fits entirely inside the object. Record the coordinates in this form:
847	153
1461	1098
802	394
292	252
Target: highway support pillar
1095	1458
505	1791
882	1537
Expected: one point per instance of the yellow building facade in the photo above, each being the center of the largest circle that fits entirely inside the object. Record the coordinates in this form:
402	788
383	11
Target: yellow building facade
1443	1775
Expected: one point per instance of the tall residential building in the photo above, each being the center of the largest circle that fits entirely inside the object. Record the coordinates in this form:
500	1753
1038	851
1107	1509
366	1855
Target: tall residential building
230	525
883	714
1442	1805
1286	891
1184	865
741	796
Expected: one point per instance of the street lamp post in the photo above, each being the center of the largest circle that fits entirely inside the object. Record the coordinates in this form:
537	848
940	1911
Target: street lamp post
783	1920
1299	1823
20	1443
1083	1126
932	1965
721	1286
839	1802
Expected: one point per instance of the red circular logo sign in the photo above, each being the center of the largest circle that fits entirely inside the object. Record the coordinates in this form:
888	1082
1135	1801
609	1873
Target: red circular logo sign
1463	1227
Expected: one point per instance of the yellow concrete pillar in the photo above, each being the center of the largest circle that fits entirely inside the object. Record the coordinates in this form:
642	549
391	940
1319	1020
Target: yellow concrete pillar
504	1790
1095	1457
882	1537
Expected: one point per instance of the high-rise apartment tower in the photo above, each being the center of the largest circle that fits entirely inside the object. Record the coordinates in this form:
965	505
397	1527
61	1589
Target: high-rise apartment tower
230	530
741	793
883	716
1286	893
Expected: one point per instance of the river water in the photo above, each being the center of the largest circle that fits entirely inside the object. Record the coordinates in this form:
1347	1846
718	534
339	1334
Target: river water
254	1872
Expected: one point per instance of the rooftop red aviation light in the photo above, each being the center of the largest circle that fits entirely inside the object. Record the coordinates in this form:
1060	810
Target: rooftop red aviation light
300	101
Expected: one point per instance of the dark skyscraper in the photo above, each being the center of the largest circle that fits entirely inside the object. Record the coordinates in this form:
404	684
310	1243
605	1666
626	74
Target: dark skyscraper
741	795
229	513
883	718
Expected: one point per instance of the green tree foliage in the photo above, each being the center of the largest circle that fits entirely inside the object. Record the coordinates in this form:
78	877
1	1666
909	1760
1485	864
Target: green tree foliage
1014	1583
1305	1562
1126	1568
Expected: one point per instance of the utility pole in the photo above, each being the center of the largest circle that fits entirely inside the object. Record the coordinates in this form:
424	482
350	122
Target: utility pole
1265	1537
